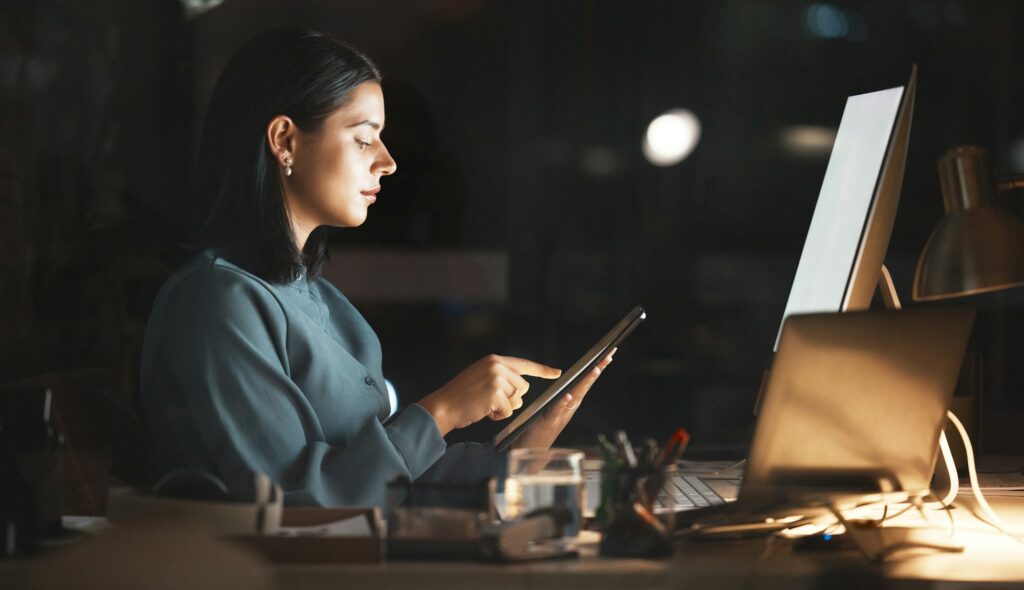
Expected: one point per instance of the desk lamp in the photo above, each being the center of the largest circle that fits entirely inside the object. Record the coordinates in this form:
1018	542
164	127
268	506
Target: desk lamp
977	247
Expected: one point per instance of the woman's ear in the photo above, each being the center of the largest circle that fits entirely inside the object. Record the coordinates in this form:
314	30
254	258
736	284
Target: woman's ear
281	133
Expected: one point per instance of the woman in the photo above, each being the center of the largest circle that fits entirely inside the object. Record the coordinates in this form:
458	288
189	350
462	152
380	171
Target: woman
252	362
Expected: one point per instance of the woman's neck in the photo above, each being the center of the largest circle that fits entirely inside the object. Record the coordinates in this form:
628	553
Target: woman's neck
301	233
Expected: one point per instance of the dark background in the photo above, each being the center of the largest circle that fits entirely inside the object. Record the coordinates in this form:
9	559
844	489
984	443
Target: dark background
517	128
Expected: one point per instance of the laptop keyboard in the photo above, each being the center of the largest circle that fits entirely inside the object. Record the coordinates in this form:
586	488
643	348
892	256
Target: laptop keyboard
683	492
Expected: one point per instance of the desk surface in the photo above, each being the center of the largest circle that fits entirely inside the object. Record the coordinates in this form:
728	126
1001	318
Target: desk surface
183	560
988	557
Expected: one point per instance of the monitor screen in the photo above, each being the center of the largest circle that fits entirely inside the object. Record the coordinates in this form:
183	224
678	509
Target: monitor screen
861	167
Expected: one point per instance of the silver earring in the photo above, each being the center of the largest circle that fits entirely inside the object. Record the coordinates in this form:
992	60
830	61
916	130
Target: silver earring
287	166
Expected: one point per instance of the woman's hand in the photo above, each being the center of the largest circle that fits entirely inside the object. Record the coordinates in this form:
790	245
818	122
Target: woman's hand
543	432
491	387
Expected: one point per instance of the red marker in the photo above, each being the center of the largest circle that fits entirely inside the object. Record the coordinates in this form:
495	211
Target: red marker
674	448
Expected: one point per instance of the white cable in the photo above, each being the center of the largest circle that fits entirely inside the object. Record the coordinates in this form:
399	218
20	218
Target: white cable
993	518
954	485
954	479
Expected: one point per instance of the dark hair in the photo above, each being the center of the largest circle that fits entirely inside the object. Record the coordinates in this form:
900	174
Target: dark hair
303	74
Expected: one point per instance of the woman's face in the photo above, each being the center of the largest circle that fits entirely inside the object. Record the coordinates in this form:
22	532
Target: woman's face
336	171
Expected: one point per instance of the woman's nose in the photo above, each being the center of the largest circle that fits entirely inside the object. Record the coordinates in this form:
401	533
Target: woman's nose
385	164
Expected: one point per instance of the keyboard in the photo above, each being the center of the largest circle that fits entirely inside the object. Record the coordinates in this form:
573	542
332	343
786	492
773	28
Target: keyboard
683	492
686	492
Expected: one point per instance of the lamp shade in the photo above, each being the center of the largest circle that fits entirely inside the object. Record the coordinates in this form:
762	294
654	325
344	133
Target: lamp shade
977	246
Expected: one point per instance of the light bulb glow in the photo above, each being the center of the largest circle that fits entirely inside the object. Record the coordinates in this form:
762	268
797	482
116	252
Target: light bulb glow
671	137
808	140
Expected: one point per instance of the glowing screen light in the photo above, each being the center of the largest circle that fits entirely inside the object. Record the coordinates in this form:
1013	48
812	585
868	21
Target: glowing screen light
671	137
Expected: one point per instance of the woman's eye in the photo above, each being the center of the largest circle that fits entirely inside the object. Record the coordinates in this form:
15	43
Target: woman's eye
362	144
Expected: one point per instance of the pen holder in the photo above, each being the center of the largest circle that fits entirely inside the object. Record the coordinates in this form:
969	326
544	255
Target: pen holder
637	511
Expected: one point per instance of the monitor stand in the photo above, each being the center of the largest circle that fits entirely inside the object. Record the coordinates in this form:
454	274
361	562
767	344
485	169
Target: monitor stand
888	290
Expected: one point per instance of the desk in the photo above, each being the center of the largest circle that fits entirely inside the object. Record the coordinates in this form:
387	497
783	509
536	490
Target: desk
719	564
988	558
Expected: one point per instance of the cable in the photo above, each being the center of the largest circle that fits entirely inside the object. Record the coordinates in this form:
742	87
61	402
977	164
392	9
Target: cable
988	514
945	504
885	550
952	521
993	518
905	510
917	503
947	508
954	479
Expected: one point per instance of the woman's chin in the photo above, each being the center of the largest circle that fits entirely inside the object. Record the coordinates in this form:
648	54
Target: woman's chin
350	219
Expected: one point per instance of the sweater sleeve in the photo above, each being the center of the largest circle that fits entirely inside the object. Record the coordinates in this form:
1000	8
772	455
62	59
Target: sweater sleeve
468	463
216	383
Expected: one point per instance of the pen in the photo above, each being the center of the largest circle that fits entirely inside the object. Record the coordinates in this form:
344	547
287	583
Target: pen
643	496
626	448
607	448
649	454
610	480
668	457
674	448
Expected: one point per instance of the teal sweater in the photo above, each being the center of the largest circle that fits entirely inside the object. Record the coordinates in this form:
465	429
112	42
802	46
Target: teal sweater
240	375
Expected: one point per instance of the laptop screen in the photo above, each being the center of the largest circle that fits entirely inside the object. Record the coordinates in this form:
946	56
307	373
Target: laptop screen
856	401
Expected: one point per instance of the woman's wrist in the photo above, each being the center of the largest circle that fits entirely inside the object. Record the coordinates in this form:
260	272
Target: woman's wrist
436	410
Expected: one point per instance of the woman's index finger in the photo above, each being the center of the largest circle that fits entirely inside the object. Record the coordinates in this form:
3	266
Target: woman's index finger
531	368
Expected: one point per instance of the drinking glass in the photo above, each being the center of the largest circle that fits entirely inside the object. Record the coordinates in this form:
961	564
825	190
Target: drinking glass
547	478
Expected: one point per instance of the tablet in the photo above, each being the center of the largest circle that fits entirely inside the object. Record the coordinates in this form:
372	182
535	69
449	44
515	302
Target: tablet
569	378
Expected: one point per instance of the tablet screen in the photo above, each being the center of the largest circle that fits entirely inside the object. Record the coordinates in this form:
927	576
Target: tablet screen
569	378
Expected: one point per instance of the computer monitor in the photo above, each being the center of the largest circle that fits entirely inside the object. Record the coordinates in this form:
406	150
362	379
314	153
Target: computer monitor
849	234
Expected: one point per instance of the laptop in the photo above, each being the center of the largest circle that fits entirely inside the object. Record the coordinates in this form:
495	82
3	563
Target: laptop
852	411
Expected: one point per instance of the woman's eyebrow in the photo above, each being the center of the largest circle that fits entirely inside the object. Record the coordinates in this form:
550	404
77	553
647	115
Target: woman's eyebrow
375	125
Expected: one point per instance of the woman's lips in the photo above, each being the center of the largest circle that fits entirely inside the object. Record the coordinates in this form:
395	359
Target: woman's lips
371	195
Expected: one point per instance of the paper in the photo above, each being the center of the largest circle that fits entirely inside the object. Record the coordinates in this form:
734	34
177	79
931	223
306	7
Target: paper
356	526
